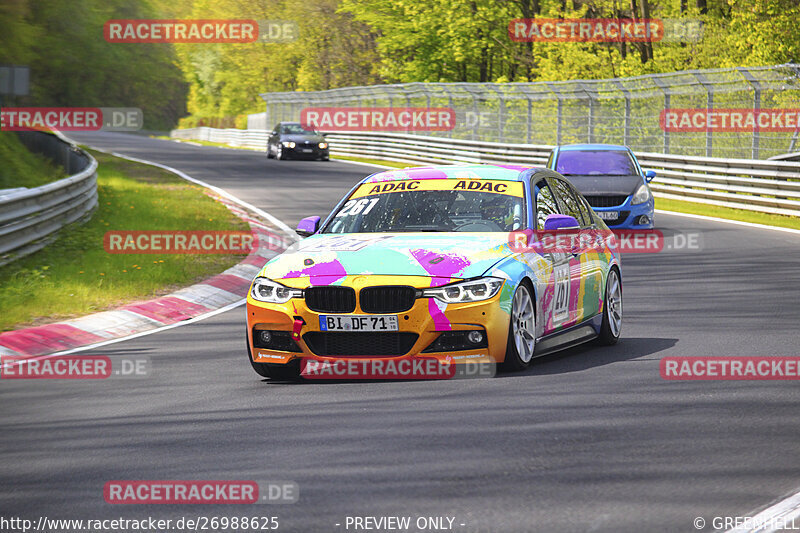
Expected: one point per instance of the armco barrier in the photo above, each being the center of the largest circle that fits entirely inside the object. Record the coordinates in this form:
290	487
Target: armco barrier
756	185
30	218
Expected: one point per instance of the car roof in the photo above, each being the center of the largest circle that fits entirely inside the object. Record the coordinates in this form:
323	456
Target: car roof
467	171
577	147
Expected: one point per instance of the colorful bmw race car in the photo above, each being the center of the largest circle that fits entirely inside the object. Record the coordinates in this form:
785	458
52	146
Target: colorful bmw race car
425	263
611	180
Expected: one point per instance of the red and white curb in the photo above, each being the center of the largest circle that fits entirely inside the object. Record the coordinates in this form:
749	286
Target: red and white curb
216	294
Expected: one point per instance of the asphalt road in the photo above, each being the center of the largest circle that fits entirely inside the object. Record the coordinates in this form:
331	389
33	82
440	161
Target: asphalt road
589	440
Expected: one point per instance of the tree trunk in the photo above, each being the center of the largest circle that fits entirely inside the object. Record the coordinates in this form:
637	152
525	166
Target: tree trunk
648	45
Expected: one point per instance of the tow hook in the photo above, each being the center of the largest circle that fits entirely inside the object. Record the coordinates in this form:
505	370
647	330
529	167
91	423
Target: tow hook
298	325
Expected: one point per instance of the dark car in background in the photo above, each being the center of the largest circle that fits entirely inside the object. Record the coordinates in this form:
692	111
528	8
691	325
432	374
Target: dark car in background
610	178
289	140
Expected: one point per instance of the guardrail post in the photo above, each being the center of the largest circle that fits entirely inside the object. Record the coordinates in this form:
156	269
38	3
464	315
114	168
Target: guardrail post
528	123
559	110
667	94
756	106
590	125
501	106
709	107
626	134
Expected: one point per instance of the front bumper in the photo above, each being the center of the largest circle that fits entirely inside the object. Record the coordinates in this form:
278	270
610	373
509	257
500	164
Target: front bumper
419	327
629	215
311	151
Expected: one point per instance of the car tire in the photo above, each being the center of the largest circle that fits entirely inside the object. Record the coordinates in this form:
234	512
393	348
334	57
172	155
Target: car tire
280	154
269	151
521	344
288	372
612	310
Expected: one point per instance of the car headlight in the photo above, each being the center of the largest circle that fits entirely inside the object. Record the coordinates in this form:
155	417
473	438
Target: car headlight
288	144
266	290
323	145
641	195
465	291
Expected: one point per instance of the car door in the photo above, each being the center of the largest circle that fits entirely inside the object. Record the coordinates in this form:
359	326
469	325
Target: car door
594	257
578	273
554	289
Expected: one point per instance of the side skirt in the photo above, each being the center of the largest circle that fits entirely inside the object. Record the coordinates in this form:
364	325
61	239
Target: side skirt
575	335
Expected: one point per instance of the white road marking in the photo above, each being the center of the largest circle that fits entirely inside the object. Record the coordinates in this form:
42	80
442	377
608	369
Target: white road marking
774	518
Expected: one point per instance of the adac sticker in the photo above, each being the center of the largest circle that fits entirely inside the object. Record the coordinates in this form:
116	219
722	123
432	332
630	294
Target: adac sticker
511	188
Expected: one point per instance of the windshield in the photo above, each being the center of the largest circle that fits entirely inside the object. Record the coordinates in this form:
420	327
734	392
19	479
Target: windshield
296	129
595	163
432	205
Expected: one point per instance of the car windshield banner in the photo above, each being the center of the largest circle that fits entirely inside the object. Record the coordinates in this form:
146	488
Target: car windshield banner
510	188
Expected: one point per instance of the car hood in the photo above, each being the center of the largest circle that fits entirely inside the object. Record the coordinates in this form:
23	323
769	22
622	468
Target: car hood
330	257
599	185
299	138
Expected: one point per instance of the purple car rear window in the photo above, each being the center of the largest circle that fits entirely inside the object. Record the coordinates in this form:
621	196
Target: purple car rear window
595	163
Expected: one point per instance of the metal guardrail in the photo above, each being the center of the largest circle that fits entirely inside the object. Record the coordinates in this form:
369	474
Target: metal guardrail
256	139
751	184
30	218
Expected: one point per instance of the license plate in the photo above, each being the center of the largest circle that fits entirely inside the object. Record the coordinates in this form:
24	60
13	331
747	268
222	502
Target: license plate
308	150
608	215
358	323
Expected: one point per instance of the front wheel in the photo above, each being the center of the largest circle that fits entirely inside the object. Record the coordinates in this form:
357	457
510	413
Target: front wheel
612	310
269	151
280	154
522	330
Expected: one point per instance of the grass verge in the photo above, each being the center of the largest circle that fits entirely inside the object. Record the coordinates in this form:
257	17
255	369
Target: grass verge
75	276
23	168
729	213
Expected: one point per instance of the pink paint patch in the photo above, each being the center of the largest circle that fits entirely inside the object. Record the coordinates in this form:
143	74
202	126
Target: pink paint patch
321	273
439	264
424	173
168	310
230	283
47	339
440	321
513	167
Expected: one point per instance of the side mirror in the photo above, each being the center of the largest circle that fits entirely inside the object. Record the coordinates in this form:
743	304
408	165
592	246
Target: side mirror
308	226
555	222
649	175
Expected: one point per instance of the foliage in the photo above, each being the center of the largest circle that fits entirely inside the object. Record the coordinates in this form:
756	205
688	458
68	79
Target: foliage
73	65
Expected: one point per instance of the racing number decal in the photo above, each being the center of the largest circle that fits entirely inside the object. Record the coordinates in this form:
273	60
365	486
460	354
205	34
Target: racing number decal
561	298
354	207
